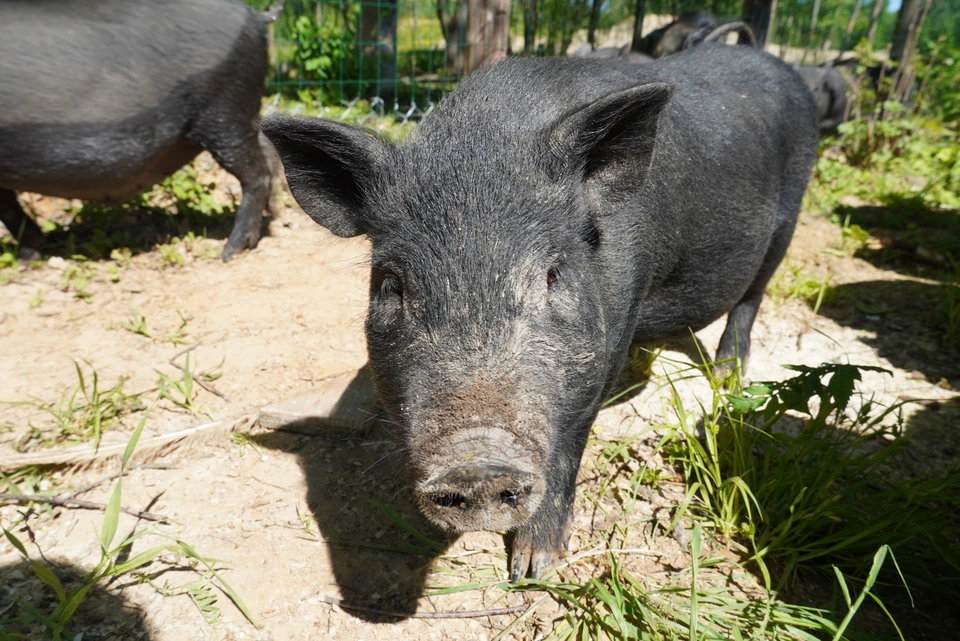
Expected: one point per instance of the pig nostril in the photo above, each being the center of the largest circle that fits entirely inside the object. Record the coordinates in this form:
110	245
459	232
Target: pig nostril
448	500
510	497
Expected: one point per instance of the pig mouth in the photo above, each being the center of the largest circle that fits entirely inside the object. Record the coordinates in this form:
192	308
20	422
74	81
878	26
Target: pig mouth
481	494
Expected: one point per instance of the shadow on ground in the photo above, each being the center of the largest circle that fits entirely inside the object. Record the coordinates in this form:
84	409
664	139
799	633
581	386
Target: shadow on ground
910	320
914	238
101	615
96	231
359	496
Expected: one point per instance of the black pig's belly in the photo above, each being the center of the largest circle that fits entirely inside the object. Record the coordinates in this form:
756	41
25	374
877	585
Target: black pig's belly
691	303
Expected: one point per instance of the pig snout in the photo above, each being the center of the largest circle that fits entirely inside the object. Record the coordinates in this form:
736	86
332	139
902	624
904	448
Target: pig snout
481	495
477	489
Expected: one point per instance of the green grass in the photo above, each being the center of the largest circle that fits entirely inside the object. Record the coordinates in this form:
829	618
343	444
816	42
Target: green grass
114	562
821	492
84	412
792	282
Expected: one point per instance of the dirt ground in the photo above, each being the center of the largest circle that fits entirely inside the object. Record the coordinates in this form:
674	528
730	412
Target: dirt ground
293	515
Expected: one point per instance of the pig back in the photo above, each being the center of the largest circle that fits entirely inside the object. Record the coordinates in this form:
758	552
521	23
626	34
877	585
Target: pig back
94	61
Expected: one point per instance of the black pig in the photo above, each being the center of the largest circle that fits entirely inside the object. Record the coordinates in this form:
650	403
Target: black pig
613	53
101	99
829	89
549	213
669	39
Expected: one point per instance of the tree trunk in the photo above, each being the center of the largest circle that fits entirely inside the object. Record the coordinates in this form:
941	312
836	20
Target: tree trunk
594	21
903	80
814	16
638	25
378	33
453	27
487	34
529	26
771	23
878	7
906	22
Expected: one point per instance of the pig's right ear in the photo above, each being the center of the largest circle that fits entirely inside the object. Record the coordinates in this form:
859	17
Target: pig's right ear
612	139
329	167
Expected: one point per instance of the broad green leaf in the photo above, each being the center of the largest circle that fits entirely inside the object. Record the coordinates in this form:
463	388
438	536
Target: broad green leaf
75	600
47	576
141	559
15	542
111	517
132	443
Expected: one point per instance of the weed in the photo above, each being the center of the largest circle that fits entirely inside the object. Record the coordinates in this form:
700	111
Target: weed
170	254
200	247
29	480
178	336
77	277
121	256
87	410
114	562
853	237
188	194
36	300
821	492
791	283
182	392
245	440
137	325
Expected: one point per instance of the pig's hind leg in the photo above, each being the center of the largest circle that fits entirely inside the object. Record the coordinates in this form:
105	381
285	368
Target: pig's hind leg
20	226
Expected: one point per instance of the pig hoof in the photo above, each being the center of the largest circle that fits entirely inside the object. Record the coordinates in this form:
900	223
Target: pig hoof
232	248
525	556
724	371
28	254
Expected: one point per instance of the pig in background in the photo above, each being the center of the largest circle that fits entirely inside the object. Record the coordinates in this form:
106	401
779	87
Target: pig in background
829	89
669	39
613	53
549	213
102	99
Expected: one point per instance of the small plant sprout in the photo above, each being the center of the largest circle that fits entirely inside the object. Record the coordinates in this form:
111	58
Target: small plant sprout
36	300
85	411
178	336
116	560
137	324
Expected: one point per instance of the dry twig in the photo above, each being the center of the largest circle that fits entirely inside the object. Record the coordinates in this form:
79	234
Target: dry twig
87	505
110	477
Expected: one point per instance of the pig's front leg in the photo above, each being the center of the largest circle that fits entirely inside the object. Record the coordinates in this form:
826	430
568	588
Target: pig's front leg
540	542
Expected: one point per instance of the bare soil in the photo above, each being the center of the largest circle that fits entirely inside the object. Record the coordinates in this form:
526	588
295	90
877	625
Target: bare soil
294	516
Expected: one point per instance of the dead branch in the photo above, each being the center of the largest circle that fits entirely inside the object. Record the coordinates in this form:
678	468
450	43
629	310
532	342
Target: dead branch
86	505
110	477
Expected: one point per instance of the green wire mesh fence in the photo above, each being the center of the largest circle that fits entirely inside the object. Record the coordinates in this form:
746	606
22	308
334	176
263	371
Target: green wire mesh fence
399	57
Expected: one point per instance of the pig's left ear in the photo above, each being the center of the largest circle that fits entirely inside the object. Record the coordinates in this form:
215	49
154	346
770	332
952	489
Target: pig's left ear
611	139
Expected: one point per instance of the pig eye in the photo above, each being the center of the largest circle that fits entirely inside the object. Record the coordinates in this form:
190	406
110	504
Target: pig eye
390	286
553	275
